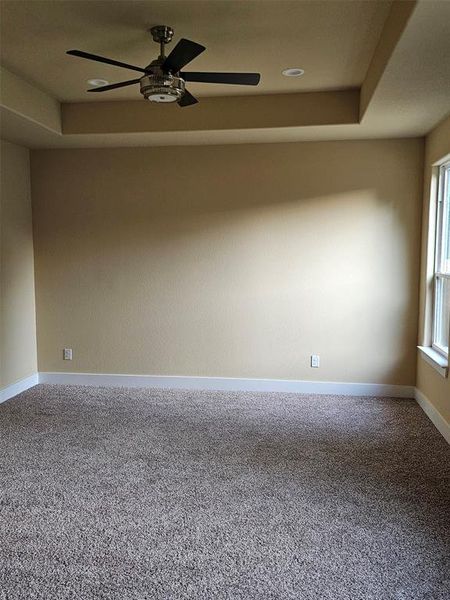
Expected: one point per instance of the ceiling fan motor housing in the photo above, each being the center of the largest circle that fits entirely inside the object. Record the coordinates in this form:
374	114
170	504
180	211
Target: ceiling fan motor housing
158	86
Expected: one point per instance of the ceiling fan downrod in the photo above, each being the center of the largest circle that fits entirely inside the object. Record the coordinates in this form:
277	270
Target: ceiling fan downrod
162	35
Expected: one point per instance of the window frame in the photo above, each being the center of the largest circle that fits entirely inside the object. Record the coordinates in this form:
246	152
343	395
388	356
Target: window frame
439	275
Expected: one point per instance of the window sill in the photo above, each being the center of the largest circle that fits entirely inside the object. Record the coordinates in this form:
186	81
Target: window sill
436	360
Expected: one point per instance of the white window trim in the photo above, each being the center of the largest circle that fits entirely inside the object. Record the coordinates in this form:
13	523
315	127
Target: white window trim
439	349
435	359
438	273
432	353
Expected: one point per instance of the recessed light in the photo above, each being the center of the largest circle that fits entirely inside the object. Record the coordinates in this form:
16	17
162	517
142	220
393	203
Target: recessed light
97	82
293	72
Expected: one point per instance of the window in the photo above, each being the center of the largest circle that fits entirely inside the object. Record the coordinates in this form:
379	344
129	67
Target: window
441	299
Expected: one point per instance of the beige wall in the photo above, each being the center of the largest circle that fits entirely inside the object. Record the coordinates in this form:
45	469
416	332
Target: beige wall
435	387
17	309
236	261
22	98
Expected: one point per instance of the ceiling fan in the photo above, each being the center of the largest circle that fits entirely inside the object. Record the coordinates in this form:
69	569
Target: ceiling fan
163	79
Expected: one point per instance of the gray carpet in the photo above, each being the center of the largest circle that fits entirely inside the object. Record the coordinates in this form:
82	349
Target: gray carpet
147	494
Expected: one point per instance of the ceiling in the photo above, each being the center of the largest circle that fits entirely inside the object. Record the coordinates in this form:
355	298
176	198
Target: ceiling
373	69
332	41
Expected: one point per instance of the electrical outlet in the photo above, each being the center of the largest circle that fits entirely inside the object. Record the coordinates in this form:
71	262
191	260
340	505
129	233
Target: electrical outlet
315	361
67	354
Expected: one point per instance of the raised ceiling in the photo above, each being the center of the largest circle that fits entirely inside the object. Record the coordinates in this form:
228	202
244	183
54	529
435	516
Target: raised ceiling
372	69
332	41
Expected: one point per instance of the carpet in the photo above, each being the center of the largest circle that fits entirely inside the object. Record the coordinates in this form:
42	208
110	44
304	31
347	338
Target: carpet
127	494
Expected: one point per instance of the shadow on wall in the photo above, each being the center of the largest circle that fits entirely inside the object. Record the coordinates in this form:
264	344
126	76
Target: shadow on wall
158	181
261	253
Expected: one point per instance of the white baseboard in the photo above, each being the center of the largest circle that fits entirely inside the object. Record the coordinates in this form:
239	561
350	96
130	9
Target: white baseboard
18	387
230	384
435	417
234	384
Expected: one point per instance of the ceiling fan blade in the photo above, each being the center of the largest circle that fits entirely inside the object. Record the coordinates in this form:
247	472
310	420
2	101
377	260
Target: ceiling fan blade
113	86
102	59
187	99
234	78
181	55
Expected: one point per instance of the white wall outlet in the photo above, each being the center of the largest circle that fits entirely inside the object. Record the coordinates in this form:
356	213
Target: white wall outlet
67	354
315	361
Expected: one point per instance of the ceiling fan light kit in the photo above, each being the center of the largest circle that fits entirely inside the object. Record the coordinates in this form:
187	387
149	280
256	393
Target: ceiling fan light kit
162	80
162	87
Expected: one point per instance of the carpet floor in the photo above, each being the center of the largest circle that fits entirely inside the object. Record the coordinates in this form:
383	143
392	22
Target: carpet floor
125	494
